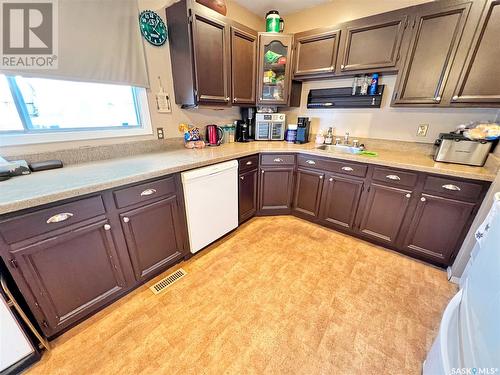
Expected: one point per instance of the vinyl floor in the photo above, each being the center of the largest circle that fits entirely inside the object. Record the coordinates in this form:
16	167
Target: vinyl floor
277	296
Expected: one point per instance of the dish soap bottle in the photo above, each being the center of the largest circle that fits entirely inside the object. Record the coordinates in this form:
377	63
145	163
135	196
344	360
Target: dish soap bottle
329	137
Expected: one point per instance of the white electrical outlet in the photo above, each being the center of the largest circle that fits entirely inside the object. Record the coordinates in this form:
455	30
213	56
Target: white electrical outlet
422	130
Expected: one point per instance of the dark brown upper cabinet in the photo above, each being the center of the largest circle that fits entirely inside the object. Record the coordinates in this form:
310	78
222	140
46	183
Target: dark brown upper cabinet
316	53
274	79
154	236
373	44
479	81
437	29
213	58
308	187
243	65
434	217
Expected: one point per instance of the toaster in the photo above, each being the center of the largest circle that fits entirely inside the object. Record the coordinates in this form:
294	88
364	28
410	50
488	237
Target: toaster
455	148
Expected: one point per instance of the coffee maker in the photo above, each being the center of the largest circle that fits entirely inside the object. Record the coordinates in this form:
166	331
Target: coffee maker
245	128
241	131
303	126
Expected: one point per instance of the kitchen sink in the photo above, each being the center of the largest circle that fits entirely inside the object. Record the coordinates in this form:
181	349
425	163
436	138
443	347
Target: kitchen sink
340	148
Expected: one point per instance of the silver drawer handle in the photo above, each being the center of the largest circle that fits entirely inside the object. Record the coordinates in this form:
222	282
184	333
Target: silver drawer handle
278	160
320	177
107	227
148	192
248	163
423	199
126	219
330	179
311	162
347	169
393	177
451	187
242	177
408	195
59	217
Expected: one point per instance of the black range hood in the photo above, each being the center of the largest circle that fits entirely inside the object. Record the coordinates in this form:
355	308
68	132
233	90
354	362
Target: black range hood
341	97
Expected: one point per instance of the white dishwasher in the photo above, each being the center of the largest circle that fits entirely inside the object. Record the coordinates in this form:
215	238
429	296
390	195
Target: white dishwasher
211	197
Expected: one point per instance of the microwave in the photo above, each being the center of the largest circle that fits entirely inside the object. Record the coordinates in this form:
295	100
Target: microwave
270	127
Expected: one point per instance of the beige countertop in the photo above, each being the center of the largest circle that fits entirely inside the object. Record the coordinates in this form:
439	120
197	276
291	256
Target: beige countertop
45	187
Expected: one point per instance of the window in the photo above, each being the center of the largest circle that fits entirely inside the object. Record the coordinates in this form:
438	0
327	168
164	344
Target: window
34	110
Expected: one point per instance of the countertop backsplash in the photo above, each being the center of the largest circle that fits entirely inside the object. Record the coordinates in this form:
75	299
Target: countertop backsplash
88	154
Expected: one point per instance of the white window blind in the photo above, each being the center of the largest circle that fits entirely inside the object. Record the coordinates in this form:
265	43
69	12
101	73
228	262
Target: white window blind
98	41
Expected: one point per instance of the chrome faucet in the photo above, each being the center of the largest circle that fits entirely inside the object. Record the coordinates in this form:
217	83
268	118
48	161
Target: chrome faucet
346	138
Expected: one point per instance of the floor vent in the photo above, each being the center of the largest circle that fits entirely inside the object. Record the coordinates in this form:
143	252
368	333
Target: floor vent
164	283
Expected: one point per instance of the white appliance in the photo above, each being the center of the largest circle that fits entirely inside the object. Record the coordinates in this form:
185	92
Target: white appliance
468	340
270	126
14	344
211	197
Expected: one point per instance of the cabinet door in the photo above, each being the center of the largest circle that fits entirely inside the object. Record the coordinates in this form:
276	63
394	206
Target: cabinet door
248	194
373	42
384	211
211	55
436	228
154	236
479	82
316	53
340	201
436	35
275	192
308	189
274	68
72	274
243	65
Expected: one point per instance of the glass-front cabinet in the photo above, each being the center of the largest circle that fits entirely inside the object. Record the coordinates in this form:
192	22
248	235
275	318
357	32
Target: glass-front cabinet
275	51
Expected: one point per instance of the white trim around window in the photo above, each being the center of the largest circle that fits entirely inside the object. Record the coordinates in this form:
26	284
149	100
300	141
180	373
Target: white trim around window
18	139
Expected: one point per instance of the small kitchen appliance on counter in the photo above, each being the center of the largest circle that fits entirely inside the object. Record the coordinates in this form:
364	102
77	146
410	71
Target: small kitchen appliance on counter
215	135
248	116
303	125
270	127
242	131
455	148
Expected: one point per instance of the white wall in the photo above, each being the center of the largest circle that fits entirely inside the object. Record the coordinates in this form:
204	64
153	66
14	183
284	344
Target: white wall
386	122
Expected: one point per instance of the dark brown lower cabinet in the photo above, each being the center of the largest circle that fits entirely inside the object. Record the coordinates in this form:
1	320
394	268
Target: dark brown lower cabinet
71	274
154	236
247	190
340	200
437	226
383	213
308	187
275	190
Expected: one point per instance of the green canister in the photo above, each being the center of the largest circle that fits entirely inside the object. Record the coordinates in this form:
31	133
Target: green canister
273	21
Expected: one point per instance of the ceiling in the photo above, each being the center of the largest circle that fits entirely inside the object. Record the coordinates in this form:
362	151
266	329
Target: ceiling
261	7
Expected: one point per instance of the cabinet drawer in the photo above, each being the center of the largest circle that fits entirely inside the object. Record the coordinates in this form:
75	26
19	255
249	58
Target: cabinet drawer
395	177
277	159
331	165
248	163
43	221
144	192
453	188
